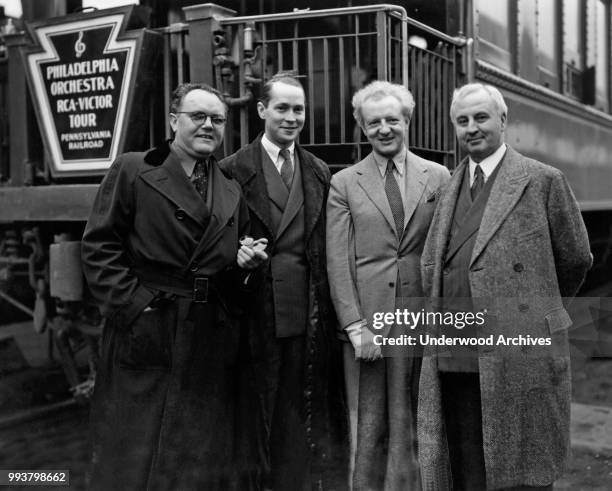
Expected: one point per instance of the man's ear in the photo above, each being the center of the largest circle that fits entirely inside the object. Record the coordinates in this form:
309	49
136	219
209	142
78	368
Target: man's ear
503	122
172	118
261	110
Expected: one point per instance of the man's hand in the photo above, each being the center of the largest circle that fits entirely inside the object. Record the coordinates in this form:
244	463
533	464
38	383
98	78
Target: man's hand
362	340
251	253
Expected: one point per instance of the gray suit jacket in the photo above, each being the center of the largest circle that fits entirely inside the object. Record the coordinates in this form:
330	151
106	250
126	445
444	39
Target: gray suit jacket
530	251
365	258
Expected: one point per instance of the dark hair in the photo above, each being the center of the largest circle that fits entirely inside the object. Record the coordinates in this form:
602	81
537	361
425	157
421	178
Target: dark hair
183	89
289	77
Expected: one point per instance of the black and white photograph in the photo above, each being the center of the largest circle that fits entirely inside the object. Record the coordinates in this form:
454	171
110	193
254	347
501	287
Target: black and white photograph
303	245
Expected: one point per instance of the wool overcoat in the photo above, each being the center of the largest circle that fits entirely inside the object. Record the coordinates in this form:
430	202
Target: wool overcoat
322	373
531	253
169	387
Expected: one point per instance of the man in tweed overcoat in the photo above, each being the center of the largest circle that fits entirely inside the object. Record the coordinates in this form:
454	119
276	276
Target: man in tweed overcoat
512	232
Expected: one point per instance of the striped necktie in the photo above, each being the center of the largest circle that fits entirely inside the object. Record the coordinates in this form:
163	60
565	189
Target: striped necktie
478	183
395	199
286	170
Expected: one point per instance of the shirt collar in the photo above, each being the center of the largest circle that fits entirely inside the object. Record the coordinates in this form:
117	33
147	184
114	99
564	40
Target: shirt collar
488	164
399	159
187	163
274	150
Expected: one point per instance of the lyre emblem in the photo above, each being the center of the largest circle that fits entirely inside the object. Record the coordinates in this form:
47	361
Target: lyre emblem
79	46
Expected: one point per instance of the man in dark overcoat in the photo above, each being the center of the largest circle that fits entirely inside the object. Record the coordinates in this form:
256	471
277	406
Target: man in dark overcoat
159	253
507	237
286	188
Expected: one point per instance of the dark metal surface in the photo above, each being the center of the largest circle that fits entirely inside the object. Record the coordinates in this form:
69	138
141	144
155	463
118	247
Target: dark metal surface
59	203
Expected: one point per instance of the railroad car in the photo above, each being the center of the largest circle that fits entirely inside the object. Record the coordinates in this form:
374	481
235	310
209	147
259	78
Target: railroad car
76	89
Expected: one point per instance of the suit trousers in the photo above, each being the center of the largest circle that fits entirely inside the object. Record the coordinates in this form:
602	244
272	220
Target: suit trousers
288	446
382	404
463	421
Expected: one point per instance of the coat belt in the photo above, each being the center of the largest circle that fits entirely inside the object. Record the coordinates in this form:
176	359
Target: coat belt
200	289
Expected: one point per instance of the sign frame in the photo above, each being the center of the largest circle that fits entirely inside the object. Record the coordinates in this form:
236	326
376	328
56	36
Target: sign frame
137	78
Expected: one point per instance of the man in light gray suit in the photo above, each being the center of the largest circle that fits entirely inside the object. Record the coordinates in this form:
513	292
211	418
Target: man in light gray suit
378	214
508	236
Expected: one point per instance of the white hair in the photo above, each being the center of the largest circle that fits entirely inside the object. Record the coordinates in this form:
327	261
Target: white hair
464	91
379	89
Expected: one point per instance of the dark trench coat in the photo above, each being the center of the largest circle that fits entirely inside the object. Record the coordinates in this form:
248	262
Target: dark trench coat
171	407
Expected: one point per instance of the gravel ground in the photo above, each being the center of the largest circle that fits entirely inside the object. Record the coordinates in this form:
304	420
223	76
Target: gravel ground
590	470
59	441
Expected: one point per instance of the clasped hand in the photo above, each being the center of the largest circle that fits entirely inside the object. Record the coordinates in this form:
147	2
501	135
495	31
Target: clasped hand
362	340
252	252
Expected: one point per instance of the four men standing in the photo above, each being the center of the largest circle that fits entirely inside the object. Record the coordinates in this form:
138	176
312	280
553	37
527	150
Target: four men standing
175	406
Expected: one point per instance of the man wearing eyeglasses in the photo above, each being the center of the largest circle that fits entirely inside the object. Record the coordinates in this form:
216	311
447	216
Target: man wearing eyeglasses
286	187
161	256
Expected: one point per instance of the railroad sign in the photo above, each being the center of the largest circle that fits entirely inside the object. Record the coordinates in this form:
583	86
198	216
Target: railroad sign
82	73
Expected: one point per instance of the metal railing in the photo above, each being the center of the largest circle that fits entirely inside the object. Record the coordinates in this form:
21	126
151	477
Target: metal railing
337	51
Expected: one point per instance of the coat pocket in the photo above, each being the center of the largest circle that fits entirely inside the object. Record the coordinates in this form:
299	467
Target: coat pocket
147	344
558	320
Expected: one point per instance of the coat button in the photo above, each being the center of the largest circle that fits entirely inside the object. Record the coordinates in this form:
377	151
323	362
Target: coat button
446	272
194	268
180	214
391	284
523	307
518	267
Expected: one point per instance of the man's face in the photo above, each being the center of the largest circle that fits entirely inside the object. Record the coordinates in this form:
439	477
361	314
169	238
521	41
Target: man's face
384	125
479	125
198	140
284	115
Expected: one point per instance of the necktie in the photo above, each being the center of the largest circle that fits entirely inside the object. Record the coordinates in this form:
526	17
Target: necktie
478	183
395	199
200	178
286	170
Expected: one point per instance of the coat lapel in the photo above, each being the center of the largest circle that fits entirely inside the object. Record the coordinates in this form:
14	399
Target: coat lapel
369	179
170	180
295	201
225	200
445	212
250	176
313	189
507	190
416	174
277	190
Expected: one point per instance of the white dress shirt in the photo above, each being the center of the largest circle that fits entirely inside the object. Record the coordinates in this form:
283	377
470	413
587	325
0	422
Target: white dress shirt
273	152
489	164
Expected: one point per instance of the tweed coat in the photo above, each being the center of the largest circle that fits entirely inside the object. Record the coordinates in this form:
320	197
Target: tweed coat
530	253
165	408
371	270
322	396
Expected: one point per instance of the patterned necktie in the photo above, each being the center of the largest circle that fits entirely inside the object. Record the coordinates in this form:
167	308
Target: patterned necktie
395	199
286	170
200	178
478	183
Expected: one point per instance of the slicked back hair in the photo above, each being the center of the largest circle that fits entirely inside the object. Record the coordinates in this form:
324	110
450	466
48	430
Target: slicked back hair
465	90
183	89
288	77
379	89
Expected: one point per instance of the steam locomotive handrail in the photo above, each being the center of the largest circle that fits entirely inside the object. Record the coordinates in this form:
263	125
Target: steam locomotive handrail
395	10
